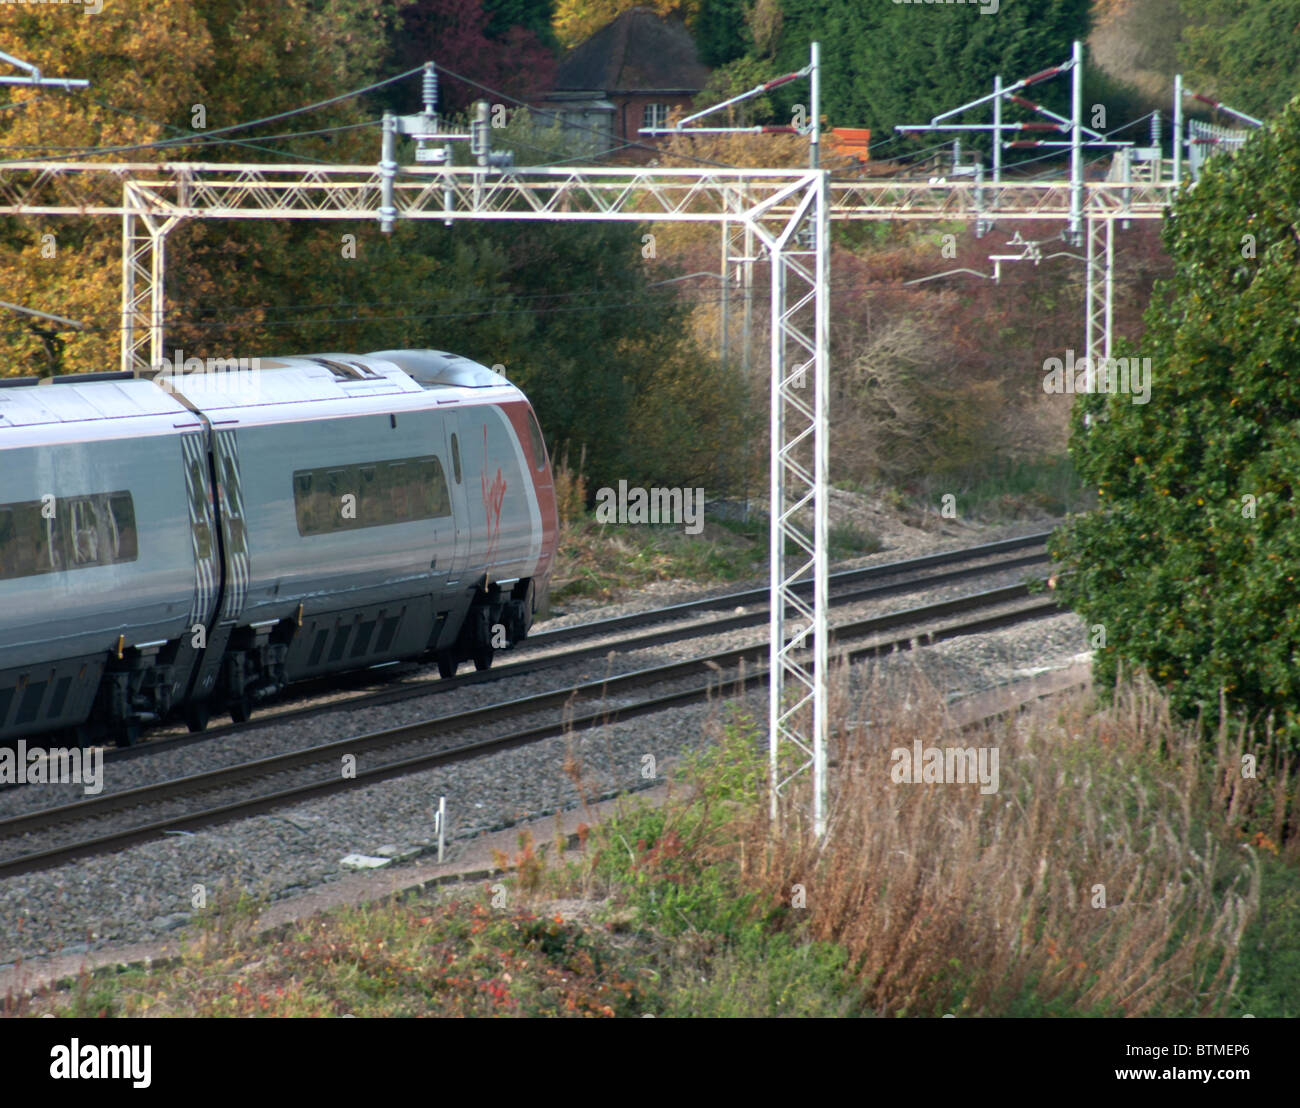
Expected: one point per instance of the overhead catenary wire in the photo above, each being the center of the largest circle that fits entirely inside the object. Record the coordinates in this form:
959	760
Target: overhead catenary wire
206	137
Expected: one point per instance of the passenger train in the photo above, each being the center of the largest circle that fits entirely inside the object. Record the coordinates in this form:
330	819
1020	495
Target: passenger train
190	544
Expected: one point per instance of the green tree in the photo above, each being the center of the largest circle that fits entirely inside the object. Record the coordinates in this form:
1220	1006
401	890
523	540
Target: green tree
1191	562
720	31
532	15
886	64
1242	52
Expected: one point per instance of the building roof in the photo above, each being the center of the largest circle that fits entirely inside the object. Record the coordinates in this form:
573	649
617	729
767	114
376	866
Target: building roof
639	51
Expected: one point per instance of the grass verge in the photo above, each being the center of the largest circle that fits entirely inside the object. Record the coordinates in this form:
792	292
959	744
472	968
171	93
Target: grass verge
1120	864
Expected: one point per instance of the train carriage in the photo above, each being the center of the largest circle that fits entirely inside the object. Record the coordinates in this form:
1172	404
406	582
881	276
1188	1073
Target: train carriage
96	578
311	515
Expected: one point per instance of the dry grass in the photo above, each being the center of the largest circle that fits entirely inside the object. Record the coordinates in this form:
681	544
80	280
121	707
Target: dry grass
570	488
950	900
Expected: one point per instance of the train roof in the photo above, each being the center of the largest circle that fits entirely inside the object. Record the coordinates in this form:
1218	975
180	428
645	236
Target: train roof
82	397
314	386
433	368
259	390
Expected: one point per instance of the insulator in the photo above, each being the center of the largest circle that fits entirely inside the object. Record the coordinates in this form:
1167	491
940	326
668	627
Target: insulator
430	87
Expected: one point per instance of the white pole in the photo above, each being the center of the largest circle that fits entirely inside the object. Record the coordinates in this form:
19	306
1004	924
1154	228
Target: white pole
1178	130
1076	144
726	290
814	137
997	129
442	826
821	420
776	530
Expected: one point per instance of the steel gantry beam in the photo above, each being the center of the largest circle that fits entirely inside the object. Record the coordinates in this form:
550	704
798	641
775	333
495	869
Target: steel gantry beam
781	214
197	190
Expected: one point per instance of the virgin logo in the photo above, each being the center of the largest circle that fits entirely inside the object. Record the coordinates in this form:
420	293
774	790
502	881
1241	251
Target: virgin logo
494	496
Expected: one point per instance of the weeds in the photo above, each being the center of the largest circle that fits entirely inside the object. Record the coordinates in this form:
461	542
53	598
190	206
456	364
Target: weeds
1124	867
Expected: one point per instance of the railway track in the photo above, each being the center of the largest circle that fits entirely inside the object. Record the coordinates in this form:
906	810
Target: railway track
49	837
673	623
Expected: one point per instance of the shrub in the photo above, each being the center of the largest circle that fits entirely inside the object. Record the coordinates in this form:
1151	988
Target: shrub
1191	561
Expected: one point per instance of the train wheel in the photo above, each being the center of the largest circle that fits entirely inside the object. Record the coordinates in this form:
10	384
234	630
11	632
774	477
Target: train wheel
447	664
241	708
483	657
128	734
197	715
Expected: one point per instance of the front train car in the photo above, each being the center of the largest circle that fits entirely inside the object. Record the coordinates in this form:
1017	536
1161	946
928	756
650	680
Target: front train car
196	542
379	507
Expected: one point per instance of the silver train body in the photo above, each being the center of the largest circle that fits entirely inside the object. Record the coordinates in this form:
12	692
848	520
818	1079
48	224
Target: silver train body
191	544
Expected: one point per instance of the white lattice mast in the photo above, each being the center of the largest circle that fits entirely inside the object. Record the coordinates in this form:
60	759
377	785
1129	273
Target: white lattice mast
1099	292
797	693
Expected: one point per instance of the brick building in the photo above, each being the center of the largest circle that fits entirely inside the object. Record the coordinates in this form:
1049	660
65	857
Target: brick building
630	74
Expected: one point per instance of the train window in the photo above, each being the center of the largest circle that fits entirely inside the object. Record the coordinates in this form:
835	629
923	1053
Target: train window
66	533
438	490
9	555
539	446
85	534
202	541
51	542
122	513
235	535
402	490
455	457
431	487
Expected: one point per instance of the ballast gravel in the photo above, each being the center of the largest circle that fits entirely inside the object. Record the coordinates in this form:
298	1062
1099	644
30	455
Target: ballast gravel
342	723
151	890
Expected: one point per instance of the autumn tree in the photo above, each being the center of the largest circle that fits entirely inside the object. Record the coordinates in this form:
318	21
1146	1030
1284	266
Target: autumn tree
576	20
243	59
471	38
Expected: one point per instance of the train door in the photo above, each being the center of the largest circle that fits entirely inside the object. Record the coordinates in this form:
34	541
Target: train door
230	499
207	636
207	563
458	545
